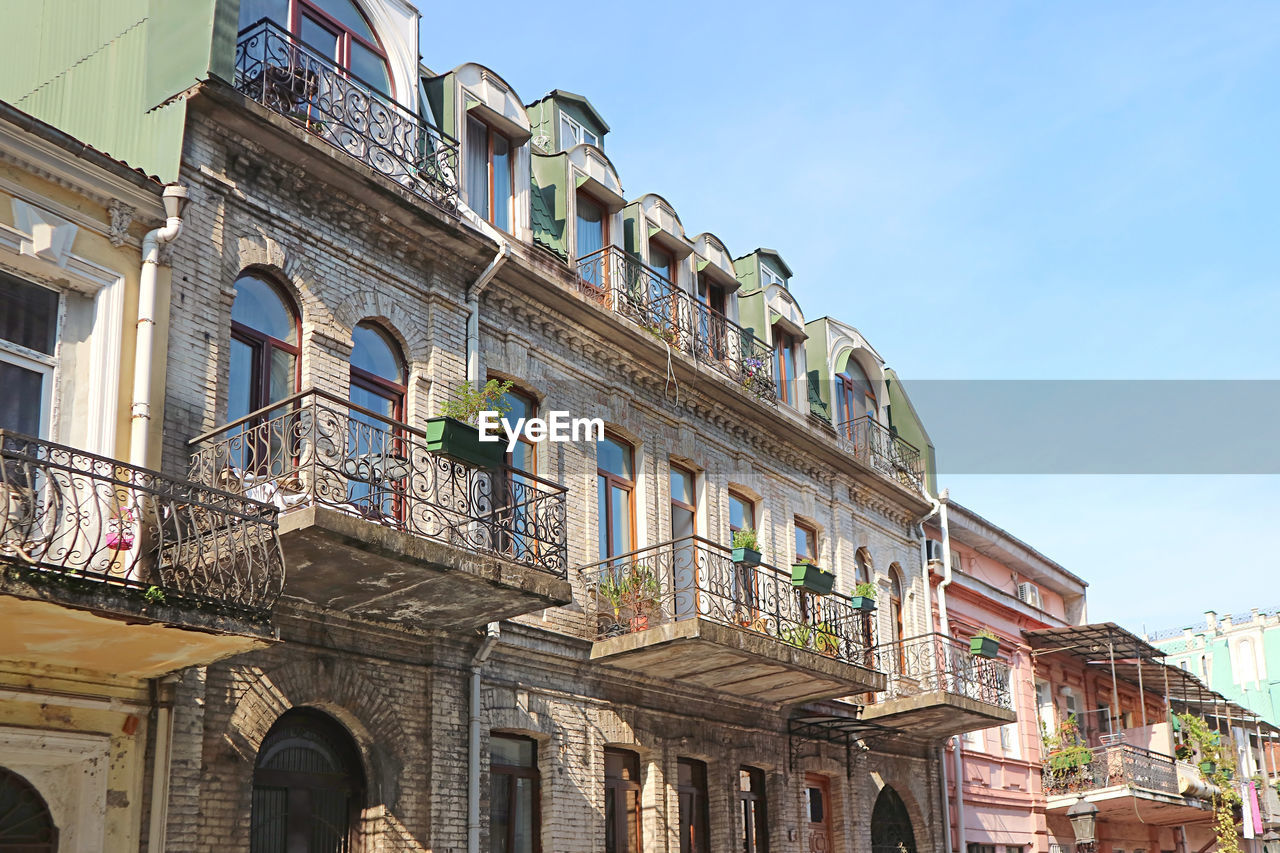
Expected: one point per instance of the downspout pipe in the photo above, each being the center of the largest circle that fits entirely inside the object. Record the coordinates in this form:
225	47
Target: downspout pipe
944	624
175	197
491	636
162	695
477	287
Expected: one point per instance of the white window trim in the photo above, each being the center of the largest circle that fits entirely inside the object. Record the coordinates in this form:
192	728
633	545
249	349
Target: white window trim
769	277
577	131
45	365
107	289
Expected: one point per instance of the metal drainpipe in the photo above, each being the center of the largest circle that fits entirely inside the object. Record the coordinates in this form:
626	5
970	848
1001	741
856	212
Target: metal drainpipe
175	196
473	746
946	823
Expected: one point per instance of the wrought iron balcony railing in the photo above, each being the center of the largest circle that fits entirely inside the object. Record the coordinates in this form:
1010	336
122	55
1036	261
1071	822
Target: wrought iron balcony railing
616	281
69	515
315	448
696	578
1111	766
934	662
877	446
310	89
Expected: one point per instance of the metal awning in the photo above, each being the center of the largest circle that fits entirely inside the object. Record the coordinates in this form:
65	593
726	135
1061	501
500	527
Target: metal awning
1103	641
842	731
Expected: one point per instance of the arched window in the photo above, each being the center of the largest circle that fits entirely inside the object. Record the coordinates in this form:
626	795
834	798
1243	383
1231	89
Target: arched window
308	787
265	334
378	372
26	826
855	397
891	830
375	446
861	566
336	30
895	602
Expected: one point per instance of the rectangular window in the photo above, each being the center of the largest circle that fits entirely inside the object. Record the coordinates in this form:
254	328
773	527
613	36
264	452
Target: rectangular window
1044	707
691	788
806	542
684	503
489	177
591	233
28	339
513	795
751	799
1009	739
621	801
742	512
615	478
784	365
769	277
573	133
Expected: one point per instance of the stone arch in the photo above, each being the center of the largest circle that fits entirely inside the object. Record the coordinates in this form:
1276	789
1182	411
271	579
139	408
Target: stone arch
287	264
904	789
26	821
338	688
390	314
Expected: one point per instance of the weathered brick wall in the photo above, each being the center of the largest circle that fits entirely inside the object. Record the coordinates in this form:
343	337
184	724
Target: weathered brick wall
402	695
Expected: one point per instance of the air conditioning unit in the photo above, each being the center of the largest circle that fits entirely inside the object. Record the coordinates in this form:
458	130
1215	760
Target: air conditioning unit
1030	593
933	550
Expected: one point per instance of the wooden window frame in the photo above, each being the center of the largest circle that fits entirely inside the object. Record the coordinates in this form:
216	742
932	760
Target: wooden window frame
611	479
618	787
811	534
605	216
518	772
297	8
757	841
699	817
784	355
490	132
692	508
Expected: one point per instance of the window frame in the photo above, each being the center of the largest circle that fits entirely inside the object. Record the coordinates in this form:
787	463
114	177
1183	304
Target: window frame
490	132
516	771
262	345
811	535
380	385
769	276
757	841
298	8
784	364
610	481
577	131
604	227
699	815
623	789
747	502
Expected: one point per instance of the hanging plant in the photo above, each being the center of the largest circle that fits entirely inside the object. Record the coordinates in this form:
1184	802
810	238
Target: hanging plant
1217	766
120	532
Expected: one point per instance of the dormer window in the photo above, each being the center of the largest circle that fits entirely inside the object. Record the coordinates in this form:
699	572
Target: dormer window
573	133
784	365
334	29
490	182
592	226
769	277
855	397
662	262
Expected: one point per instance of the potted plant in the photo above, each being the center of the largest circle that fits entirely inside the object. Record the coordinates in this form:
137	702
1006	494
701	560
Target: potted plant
454	433
864	597
985	644
746	547
825	641
642	590
798	635
806	575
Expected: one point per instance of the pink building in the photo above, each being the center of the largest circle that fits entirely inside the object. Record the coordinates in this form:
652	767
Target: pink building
983	577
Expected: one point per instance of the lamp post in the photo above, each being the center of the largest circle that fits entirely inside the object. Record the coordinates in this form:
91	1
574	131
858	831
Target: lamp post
1084	824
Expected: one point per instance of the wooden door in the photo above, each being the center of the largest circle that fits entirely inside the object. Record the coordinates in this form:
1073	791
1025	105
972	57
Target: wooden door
817	797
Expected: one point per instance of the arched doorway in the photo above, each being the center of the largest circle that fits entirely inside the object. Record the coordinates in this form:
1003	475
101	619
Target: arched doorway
890	825
26	826
308	787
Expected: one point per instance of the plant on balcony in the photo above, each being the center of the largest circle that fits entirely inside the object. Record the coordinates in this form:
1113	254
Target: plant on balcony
661	331
864	597
984	644
753	371
806	575
1217	765
746	547
798	635
825	641
642	590
454	433
1067	757
120	529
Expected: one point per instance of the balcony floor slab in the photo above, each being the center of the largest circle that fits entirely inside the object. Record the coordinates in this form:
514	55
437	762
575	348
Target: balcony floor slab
732	660
936	714
1122	803
356	566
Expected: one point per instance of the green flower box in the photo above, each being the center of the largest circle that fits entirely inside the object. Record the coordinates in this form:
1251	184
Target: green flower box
746	557
865	603
809	577
984	647
461	441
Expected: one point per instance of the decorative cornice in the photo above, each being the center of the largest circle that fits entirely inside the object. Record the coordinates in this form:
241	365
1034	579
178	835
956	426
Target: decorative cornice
121	218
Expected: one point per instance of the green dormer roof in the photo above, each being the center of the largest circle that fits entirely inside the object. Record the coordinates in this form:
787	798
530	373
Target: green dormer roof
564	96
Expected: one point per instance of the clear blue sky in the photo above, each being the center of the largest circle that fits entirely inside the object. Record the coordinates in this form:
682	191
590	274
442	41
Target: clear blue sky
987	191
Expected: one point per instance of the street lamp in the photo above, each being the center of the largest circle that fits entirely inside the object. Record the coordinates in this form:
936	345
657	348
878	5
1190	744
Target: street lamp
1084	824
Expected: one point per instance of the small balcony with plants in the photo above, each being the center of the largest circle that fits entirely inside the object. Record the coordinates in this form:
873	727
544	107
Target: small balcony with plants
881	450
307	87
383	520
722	619
938	686
618	282
148	573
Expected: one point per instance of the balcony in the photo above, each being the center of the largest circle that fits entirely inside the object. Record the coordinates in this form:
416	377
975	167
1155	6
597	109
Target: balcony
1126	782
113	568
877	447
684	610
618	282
376	525
325	99
935	688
